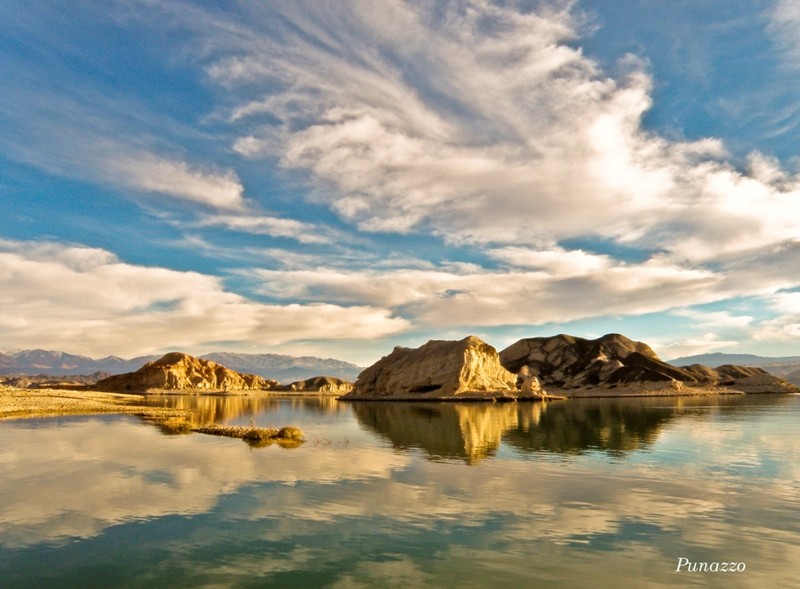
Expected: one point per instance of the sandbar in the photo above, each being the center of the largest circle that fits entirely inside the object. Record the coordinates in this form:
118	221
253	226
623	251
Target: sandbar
26	403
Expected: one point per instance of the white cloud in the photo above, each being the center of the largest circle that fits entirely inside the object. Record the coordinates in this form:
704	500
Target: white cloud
113	484
267	225
785	325
715	319
85	300
556	261
784	23
150	173
483	123
478	297
707	342
110	140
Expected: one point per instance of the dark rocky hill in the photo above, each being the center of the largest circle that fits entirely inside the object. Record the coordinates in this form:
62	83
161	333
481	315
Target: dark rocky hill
569	362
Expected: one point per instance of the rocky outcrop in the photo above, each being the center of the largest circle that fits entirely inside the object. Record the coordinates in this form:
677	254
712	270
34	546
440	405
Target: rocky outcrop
180	372
752	380
566	362
465	369
320	384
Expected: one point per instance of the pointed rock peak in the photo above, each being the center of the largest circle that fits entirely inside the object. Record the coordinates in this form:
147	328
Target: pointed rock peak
175	358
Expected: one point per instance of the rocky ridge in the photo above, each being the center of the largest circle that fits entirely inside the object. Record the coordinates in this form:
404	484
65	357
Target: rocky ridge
464	369
614	361
320	384
181	372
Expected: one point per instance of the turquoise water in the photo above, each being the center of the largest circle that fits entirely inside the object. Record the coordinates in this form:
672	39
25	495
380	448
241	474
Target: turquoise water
572	494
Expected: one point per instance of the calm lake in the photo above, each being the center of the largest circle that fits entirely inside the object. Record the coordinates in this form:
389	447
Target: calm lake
582	493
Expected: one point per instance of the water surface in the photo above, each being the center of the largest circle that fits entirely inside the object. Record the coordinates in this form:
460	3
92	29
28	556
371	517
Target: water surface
600	493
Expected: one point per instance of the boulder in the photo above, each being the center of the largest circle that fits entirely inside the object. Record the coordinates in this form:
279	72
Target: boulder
181	372
468	368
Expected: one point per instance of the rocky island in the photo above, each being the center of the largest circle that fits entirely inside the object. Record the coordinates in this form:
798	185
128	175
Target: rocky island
547	367
179	372
614	365
464	370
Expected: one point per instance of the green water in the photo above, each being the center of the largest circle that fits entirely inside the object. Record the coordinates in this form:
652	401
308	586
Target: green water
572	494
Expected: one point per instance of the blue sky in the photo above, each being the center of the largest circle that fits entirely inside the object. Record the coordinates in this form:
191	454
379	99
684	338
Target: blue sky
336	178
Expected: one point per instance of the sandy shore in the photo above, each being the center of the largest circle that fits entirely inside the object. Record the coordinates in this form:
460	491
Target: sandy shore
21	403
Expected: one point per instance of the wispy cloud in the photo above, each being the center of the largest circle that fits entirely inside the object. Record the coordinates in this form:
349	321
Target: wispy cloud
480	127
481	123
92	141
266	225
148	172
784	23
702	344
480	297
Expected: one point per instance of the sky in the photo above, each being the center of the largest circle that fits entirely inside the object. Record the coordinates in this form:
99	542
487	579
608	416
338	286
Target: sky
335	178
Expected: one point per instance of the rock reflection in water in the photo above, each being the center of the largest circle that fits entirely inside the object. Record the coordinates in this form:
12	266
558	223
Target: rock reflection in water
229	408
612	425
444	430
474	431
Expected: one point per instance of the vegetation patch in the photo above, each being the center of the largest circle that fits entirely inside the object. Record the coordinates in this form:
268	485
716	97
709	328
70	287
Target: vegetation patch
256	436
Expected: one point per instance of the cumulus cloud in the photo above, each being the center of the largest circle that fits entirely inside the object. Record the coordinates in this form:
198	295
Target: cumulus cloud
87	301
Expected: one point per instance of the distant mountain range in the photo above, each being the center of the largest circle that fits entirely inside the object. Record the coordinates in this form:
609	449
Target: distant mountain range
279	367
286	369
787	367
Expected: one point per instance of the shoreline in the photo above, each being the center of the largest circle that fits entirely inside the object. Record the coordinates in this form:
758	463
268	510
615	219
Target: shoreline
555	394
32	403
18	403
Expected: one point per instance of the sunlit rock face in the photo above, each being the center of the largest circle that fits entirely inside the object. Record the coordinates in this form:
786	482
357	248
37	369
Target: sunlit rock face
438	369
181	372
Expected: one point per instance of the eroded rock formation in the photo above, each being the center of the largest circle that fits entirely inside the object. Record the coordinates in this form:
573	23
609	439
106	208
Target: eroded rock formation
567	362
320	384
181	372
468	368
